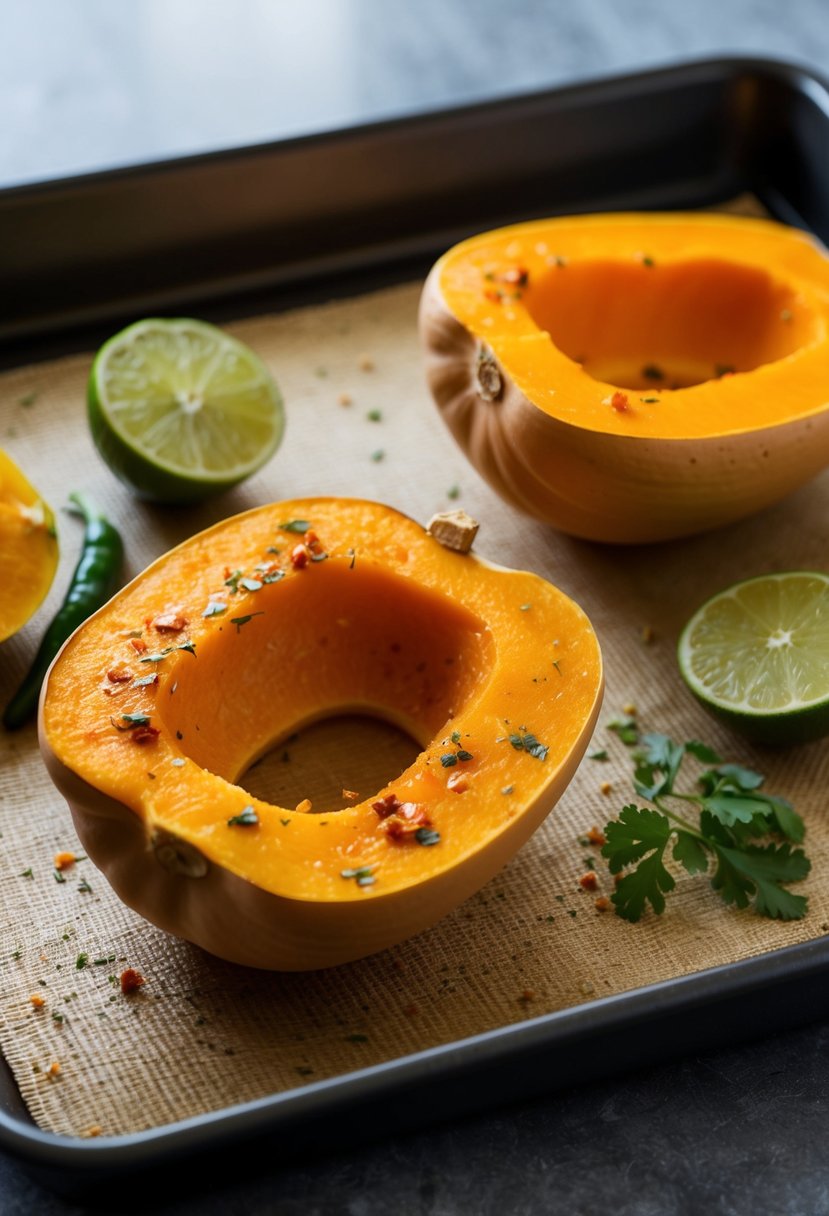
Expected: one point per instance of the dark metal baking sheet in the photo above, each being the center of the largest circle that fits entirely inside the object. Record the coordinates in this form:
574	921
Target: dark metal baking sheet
268	227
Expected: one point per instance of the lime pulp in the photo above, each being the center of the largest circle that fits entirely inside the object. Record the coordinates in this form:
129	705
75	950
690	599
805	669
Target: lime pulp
757	655
180	410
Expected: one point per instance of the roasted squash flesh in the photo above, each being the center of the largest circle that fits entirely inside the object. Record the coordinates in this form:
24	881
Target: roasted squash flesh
225	647
670	325
591	363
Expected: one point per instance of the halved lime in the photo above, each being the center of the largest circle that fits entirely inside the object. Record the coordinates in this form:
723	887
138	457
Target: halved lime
757	655
180	410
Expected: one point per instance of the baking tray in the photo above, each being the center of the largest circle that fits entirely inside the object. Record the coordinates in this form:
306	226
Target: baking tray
269	227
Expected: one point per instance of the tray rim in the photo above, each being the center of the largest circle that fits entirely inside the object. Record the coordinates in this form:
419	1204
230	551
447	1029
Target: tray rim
681	996
569	1026
798	76
784	68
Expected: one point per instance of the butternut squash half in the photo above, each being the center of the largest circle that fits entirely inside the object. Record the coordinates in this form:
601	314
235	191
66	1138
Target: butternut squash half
634	377
157	706
28	548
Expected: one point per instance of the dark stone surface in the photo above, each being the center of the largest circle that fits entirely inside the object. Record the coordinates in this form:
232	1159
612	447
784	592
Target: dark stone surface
92	84
738	1131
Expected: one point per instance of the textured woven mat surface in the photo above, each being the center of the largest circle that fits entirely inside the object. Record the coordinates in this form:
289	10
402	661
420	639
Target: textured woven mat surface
202	1035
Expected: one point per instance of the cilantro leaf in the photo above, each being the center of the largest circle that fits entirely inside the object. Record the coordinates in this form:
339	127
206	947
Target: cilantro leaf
690	852
733	808
635	833
702	752
759	871
743	778
643	885
626	728
649	780
664	754
750	833
785	818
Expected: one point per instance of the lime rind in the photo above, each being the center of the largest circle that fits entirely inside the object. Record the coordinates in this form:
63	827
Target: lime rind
180	410
757	655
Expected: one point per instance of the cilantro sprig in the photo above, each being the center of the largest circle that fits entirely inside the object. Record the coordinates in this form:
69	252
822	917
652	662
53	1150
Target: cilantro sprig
745	833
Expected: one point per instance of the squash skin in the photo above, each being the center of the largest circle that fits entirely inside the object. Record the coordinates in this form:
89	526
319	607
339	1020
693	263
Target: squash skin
28	548
552	445
253	895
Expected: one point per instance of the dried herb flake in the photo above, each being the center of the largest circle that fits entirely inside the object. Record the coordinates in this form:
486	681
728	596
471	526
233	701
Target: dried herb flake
239	621
245	818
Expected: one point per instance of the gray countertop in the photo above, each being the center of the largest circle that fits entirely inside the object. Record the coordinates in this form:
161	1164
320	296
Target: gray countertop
93	85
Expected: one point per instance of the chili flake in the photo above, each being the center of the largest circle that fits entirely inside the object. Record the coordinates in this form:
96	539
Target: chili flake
409	820
596	836
131	980
619	401
170	622
62	861
119	675
401	819
299	557
589	881
145	734
37	1001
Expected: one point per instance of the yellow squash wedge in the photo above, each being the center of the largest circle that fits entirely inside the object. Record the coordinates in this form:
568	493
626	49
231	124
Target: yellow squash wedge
28	548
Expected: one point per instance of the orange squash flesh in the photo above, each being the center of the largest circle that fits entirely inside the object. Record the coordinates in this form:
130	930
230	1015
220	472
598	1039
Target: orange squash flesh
635	353
388	623
28	548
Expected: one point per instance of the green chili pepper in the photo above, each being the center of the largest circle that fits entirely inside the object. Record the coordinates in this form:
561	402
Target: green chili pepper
95	579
